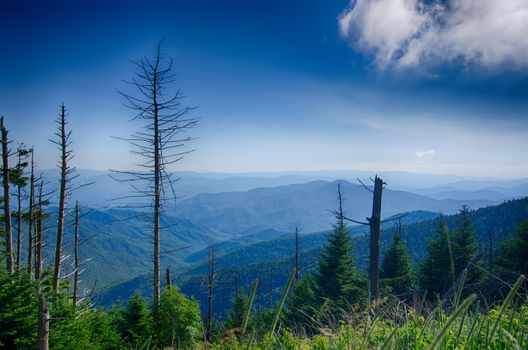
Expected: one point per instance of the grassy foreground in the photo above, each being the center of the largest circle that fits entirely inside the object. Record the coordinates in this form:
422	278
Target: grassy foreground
396	326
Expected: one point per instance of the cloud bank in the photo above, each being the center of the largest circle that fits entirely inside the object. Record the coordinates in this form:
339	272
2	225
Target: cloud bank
411	33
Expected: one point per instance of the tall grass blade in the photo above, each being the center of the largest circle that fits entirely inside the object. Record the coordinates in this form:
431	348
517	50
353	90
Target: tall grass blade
281	302
247	314
387	344
460	288
443	331
505	305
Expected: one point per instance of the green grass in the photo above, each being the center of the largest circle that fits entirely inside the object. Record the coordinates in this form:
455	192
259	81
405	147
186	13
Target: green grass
468	326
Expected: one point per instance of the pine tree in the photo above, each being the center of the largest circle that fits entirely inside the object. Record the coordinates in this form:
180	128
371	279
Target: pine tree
514	253
338	279
436	272
465	246
135	320
396	268
303	304
236	316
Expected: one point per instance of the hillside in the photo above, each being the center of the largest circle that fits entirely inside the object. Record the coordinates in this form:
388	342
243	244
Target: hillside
255	260
304	205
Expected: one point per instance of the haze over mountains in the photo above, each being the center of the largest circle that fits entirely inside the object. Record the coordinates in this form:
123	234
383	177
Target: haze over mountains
237	210
105	191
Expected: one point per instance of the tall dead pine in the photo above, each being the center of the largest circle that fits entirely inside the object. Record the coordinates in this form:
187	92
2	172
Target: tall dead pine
39	215
159	143
31	218
76	255
10	263
210	288
63	143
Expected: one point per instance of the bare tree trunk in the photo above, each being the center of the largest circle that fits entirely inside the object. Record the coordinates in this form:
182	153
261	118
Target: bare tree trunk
271	286
490	251
19	219
297	254
63	145
259	299
43	324
38	236
30	212
168	281
76	255
210	282
157	188
7	199
374	223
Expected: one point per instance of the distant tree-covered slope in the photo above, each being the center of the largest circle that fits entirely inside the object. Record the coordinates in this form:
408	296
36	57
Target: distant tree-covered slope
256	260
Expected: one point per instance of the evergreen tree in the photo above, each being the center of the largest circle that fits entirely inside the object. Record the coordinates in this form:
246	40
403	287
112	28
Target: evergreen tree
303	304
436	273
465	246
236	315
134	325
396	268
514	253
338	279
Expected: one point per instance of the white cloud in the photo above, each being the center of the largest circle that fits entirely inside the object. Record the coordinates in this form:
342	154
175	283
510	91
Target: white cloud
409	33
421	154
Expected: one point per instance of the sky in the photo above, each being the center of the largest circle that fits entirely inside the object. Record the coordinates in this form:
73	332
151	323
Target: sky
414	85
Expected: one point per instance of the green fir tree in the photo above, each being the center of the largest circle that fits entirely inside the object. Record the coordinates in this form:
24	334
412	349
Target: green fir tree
396	268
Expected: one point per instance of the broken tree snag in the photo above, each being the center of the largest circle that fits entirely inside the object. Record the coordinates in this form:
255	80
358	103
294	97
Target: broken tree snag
43	324
168	281
374	223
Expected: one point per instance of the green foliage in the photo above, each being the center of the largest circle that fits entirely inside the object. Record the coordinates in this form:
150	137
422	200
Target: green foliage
71	327
134	320
235	318
338	279
82	328
514	254
179	320
397	327
304	304
396	268
465	246
18	311
435	270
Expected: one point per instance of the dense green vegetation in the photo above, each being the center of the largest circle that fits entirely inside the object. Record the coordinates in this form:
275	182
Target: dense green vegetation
427	297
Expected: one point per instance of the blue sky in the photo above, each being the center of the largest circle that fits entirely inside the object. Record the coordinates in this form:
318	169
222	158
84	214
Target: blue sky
281	85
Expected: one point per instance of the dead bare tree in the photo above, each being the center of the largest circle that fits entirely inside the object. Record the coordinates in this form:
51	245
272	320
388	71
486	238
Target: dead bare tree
43	324
374	222
168	280
7	199
375	231
39	215
30	214
19	179
160	143
76	255
211	276
63	143
297	254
